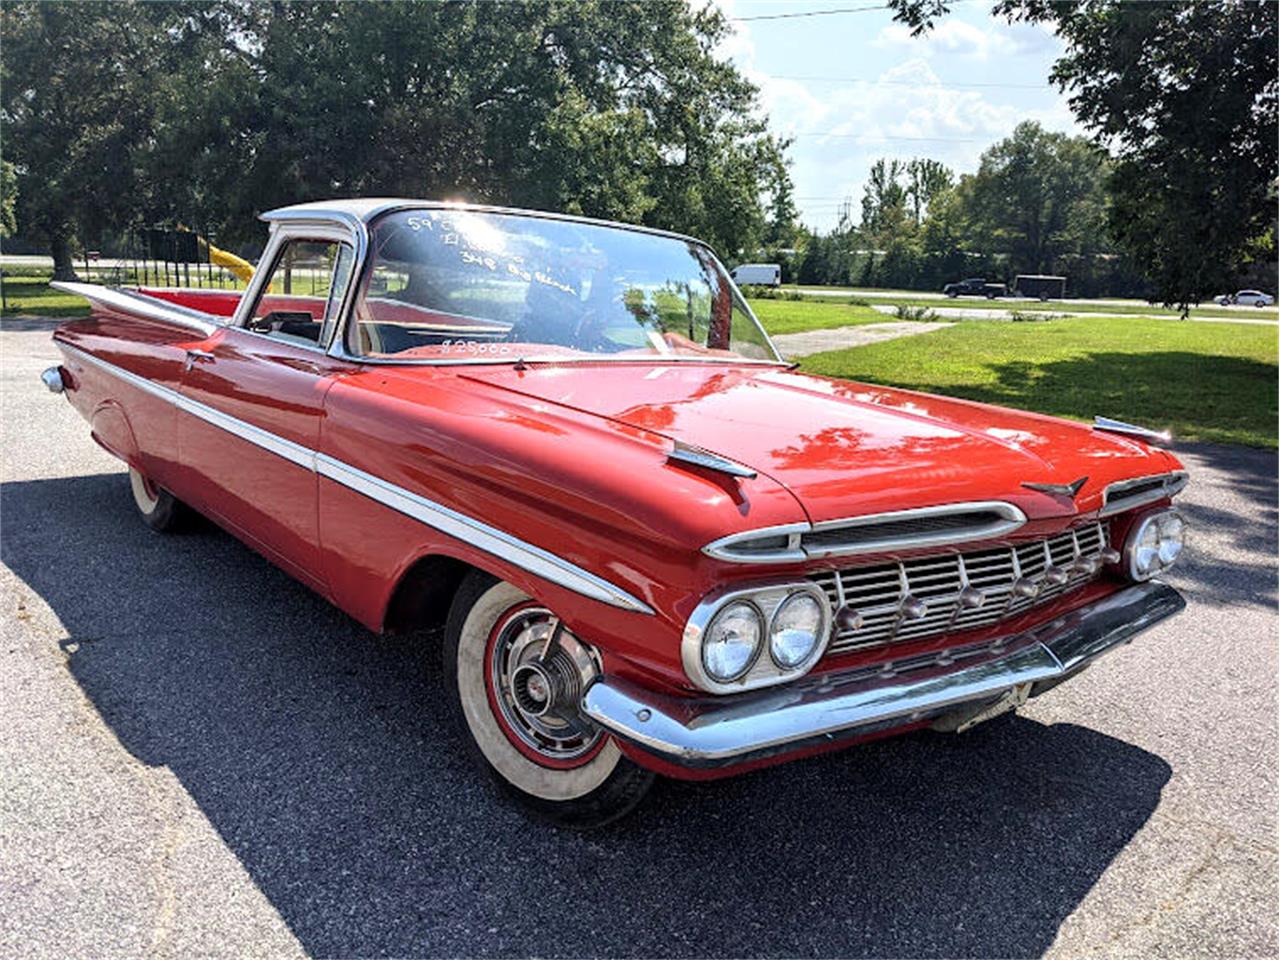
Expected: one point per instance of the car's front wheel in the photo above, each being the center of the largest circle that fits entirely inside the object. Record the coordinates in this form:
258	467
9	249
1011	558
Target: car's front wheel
515	678
160	510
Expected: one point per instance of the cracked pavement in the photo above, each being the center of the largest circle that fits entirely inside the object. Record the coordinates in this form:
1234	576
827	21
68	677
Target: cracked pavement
200	757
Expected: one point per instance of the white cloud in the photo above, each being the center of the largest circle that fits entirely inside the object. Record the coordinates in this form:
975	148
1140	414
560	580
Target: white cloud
960	38
903	109
948	36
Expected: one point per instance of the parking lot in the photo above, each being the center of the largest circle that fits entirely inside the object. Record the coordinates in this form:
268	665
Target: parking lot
199	756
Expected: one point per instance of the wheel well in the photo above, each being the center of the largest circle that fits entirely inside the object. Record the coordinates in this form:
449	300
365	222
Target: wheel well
422	597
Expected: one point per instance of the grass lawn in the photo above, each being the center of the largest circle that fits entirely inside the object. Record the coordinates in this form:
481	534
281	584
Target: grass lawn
1204	381
793	316
33	295
1058	306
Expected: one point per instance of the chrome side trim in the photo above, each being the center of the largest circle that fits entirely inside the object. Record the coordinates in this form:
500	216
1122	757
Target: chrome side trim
1131	430
537	561
1011	518
1114	500
141	305
710	732
491	540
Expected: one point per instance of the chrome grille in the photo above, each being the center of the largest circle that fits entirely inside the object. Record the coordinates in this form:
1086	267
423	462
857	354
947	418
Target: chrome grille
882	595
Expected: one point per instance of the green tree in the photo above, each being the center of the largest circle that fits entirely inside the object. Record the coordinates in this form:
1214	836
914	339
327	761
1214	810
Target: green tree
70	119
1184	95
609	110
926	180
1036	196
884	201
215	112
8	199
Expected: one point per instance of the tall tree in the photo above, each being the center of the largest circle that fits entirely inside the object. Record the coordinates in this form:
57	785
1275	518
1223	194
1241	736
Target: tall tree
926	180
8	199
218	111
1185	96
884	200
81	86
1036	195
554	105
70	121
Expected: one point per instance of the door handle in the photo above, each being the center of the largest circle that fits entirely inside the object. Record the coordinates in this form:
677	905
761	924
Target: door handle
197	355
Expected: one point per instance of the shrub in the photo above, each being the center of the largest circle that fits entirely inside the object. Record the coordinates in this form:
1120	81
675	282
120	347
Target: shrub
916	314
1033	316
756	292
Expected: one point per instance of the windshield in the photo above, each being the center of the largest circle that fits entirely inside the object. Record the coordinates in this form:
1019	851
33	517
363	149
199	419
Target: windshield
453	285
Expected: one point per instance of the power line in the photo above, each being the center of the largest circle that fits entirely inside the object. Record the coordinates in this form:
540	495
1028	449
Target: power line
876	139
914	83
808	13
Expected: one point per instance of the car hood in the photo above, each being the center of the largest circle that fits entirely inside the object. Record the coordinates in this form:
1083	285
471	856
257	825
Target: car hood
846	449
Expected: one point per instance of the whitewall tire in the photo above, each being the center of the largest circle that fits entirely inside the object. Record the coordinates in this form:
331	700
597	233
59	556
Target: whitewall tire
159	509
518	710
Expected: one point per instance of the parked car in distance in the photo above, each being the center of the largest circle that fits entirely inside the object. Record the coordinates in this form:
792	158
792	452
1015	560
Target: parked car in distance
975	287
654	547
757	274
1247	298
1040	286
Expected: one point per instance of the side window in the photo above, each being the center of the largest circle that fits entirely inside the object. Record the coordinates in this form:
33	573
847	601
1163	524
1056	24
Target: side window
302	296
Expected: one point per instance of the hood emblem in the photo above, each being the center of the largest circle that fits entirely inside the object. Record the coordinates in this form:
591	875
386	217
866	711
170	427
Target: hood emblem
1068	490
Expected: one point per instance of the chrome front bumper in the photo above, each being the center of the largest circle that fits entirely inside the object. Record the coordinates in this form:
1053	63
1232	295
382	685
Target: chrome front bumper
719	731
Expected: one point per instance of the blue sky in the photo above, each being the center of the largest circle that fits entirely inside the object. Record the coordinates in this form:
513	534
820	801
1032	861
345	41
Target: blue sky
851	87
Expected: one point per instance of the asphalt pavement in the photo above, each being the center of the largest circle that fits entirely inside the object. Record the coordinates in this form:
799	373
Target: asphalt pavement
200	757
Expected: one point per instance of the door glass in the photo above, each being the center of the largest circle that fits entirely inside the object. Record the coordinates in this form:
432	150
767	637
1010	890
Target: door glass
303	295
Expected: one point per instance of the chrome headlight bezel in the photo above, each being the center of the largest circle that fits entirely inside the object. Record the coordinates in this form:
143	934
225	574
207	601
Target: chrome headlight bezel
763	671
1156	521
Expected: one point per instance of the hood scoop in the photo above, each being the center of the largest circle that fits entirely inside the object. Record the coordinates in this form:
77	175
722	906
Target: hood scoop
688	454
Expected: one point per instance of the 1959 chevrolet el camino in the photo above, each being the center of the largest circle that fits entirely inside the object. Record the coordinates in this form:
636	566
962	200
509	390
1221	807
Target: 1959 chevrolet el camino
654	546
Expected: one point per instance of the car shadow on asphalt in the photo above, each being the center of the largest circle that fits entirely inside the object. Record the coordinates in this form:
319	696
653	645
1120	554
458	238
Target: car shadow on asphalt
324	758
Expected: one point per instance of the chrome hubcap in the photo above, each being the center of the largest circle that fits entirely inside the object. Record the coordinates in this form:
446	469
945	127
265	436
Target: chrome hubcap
539	671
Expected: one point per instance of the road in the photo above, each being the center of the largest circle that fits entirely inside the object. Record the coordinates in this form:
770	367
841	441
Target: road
200	757
877	294
980	313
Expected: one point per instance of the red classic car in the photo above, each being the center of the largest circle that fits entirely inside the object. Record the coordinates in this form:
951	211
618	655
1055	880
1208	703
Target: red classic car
655	547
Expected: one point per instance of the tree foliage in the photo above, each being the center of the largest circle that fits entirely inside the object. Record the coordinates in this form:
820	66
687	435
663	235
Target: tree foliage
8	199
218	111
1036	196
1184	95
1037	204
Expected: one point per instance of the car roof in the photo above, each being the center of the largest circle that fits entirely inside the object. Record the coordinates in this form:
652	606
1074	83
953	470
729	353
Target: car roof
366	209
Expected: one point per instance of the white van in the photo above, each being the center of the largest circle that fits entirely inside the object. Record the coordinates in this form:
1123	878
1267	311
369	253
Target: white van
757	274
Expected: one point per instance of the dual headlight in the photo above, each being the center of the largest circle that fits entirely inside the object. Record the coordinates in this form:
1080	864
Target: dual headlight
1154	543
752	638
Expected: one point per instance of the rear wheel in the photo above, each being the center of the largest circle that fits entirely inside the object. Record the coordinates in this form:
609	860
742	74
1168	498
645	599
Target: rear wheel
515	678
160	510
